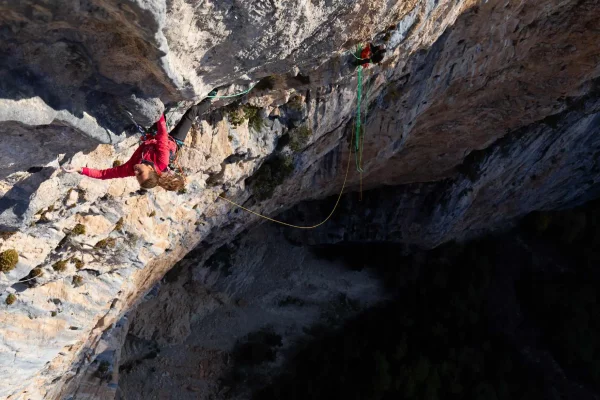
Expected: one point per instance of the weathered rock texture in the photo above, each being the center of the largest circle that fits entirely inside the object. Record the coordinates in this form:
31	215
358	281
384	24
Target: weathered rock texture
480	113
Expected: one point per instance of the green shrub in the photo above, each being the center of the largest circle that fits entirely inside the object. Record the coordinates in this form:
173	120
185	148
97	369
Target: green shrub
8	260
78	263
119	224
299	138
79	229
255	121
77	280
270	175
36	272
60	266
105	243
117	163
235	116
11	299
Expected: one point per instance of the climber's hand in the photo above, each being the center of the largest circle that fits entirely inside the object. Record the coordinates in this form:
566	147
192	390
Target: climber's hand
71	169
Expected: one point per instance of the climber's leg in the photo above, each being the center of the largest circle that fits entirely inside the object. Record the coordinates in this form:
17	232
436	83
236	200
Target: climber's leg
183	127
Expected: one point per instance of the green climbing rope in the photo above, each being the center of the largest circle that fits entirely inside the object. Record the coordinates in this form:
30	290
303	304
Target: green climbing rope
358	126
233	95
358	50
210	97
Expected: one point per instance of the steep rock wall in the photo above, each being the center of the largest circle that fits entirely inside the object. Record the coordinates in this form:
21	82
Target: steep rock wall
459	77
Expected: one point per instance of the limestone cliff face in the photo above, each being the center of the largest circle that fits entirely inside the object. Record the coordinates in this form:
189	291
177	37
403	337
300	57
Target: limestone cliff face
480	113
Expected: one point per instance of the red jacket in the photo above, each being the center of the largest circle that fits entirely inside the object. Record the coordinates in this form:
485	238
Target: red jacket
366	54
156	149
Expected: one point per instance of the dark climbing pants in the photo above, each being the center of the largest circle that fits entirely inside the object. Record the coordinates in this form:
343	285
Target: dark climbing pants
183	127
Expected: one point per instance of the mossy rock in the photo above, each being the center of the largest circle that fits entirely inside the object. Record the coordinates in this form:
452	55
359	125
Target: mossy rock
8	260
10	299
60	266
79	229
106	243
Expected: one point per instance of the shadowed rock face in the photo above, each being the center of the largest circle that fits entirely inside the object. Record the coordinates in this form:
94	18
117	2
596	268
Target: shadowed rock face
479	114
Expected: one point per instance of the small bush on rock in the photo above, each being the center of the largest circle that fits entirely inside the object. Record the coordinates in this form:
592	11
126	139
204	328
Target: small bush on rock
270	175
36	273
11	299
79	229
8	260
119	225
78	263
60	266
299	138
105	243
77	280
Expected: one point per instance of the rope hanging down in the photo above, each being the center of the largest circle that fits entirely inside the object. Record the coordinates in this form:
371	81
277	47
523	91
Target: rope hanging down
358	126
356	142
297	226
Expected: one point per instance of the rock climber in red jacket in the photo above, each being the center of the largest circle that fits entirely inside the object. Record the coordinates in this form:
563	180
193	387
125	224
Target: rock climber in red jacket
371	54
149	163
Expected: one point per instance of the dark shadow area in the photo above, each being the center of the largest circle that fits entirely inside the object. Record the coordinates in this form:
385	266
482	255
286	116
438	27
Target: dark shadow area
18	82
17	199
80	59
29	148
509	316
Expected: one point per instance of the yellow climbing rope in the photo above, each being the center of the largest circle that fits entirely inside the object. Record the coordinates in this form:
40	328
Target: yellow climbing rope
297	226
